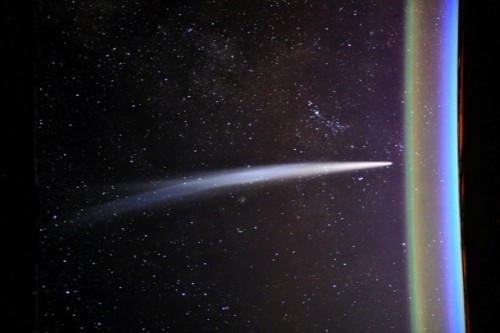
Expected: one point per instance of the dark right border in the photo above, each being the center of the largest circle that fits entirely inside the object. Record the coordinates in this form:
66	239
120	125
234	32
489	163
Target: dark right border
480	160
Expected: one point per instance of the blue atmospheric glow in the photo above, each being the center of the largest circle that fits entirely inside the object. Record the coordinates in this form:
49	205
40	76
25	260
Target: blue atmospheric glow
449	168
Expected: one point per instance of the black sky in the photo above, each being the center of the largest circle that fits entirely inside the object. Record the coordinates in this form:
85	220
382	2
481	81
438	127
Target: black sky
133	91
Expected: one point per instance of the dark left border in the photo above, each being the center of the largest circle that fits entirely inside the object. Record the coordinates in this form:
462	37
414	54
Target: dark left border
18	168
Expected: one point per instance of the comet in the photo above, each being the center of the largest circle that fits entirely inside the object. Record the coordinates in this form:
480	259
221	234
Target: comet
161	193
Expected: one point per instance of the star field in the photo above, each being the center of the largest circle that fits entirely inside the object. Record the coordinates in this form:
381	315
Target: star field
139	91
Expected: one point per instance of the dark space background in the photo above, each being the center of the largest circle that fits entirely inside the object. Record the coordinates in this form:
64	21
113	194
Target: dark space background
140	90
20	225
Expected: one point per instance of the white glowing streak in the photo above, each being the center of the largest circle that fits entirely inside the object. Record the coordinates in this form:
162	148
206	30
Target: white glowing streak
212	181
